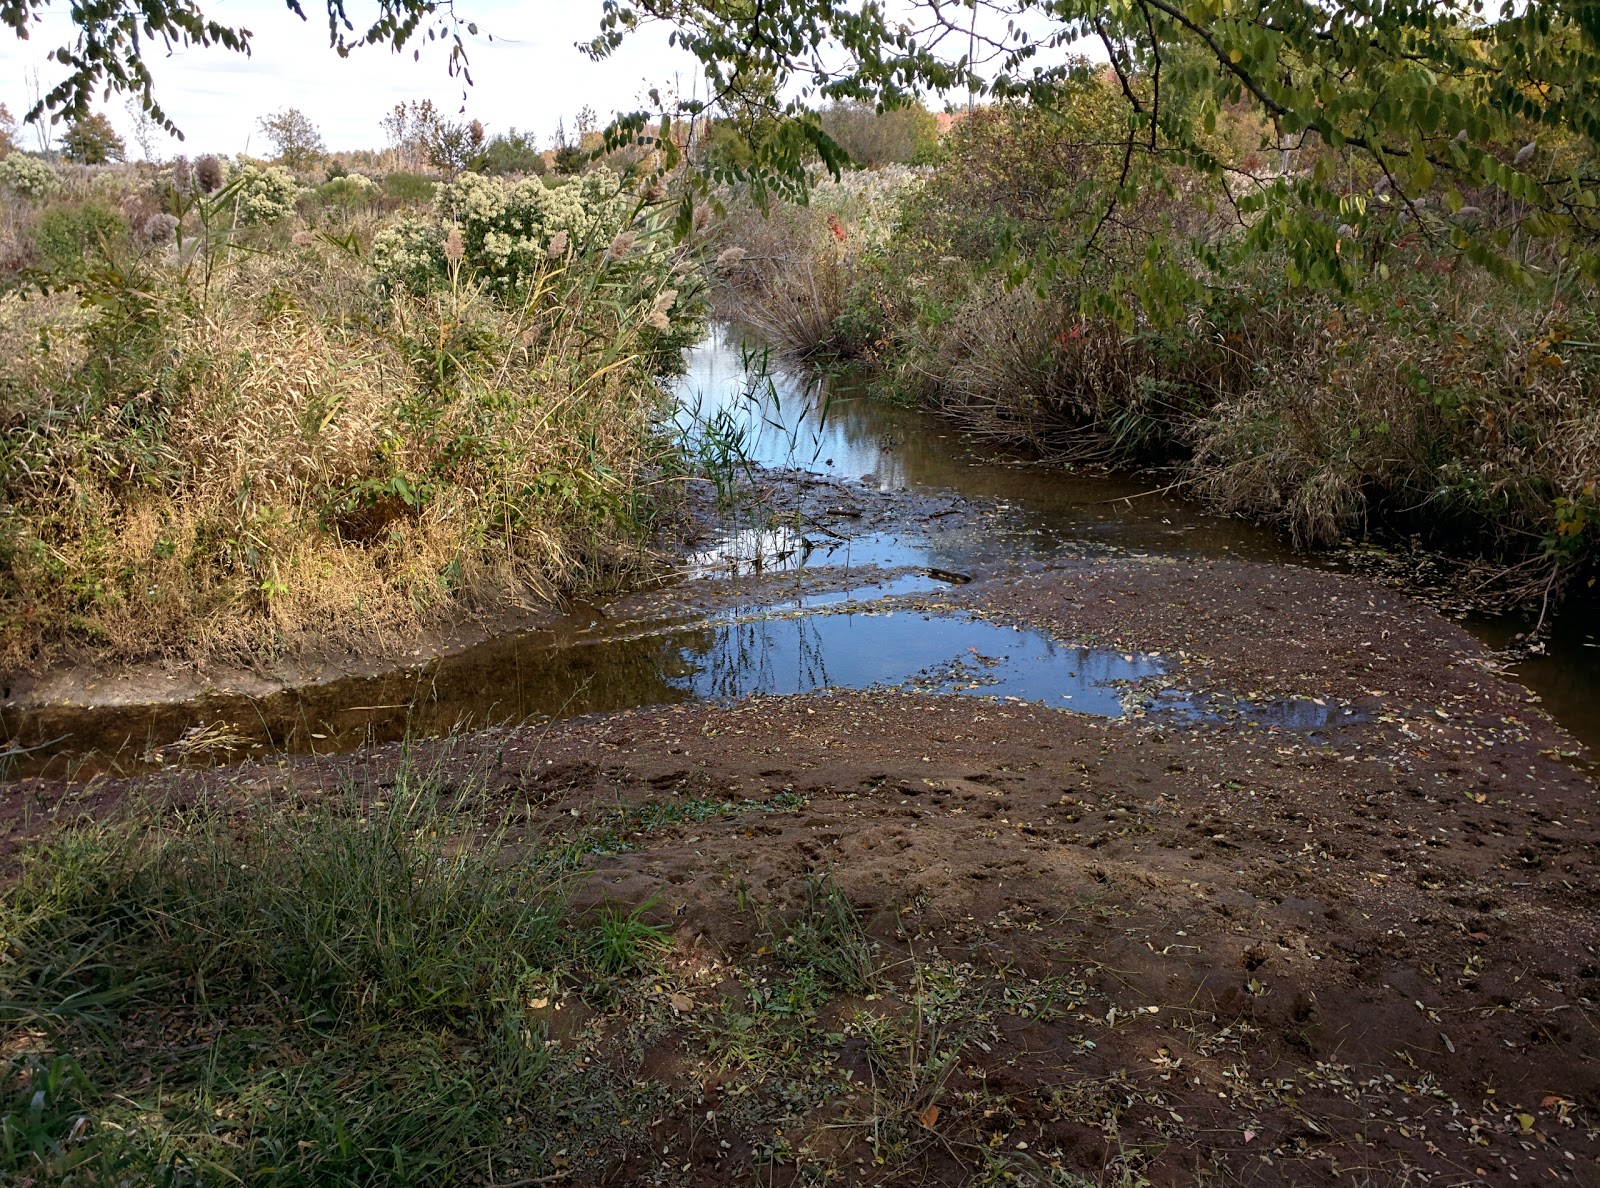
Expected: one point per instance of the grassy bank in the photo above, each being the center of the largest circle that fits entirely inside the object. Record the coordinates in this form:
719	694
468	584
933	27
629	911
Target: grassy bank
1420	394
348	988
246	416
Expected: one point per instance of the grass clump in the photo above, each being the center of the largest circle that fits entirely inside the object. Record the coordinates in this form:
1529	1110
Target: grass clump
343	993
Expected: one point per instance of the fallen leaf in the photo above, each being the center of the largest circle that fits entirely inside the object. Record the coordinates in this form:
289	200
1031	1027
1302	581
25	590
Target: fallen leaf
681	1003
928	1117
1249	1136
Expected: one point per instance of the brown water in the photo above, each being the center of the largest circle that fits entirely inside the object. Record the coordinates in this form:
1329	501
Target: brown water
846	638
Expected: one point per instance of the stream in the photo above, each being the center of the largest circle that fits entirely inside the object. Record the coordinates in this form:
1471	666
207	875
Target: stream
831	629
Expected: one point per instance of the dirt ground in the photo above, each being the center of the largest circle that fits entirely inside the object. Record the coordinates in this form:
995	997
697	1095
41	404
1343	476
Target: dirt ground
1105	951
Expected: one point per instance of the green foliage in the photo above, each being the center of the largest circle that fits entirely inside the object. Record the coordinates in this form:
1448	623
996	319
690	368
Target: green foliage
623	942
359	974
262	194
897	135
407	189
510	235
824	936
512	152
70	231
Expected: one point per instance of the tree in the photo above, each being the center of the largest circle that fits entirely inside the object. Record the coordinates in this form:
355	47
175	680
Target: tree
294	138
146	132
8	131
91	140
568	158
422	135
511	152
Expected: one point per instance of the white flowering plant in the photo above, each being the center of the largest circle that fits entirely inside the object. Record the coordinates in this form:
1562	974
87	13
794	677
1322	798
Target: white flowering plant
263	193
27	177
515	238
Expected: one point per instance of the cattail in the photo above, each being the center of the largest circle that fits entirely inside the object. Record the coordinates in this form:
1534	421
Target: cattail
731	257
476	133
454	248
208	174
182	177
558	246
621	245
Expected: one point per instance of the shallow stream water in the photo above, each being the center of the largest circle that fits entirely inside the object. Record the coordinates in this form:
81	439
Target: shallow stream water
794	642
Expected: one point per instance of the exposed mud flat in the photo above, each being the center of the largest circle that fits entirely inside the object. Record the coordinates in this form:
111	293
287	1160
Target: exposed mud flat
1197	952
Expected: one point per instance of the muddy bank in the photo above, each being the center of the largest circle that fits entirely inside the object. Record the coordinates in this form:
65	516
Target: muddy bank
1189	951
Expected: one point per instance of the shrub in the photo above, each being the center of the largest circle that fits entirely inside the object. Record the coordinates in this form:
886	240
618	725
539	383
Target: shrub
286	444
70	231
27	177
347	191
514	152
264	194
508	233
408	189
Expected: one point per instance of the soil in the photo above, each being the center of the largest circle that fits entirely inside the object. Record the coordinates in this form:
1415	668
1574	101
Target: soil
1129	950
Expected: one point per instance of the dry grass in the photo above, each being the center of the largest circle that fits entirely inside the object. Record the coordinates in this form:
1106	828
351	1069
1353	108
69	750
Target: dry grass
788	276
270	457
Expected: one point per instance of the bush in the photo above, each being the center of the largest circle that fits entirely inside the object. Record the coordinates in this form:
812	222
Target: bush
1426	396
27	177
514	152
408	189
70	231
509	233
212	451
263	193
347	192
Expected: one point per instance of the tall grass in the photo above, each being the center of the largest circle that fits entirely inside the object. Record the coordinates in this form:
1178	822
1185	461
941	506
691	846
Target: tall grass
342	992
243	443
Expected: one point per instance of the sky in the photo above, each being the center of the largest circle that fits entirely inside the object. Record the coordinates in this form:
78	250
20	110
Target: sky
527	73
529	76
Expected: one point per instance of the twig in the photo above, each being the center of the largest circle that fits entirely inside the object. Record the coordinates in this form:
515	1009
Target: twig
1140	495
1544	606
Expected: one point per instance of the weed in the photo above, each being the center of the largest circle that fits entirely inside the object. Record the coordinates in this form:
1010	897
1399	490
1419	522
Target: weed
825	936
621	942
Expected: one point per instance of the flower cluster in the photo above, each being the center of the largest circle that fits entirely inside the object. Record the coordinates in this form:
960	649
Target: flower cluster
27	177
409	254
265	194
507	233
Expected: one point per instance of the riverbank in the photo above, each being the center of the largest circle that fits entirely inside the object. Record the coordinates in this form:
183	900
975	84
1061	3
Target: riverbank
1151	948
